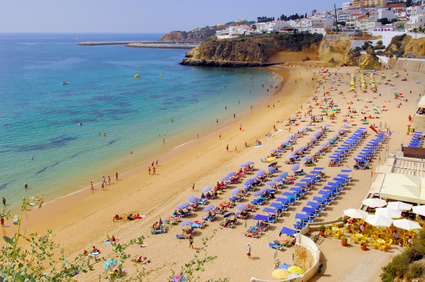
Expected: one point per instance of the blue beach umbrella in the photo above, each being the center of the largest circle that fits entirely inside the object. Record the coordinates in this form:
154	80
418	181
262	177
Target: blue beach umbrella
295	167
186	222
244	165
335	135
193	199
306	158
272	150
291	155
227	214
284	143
270	183
235	191
323	145
249	182
208	208
313	138
225	178
283	174
206	189
242	207
301	129
317	134
327	125
230	174
345	126
260	173
264	190
182	206
277	179
250	162
110	264
257	194
329	139
272	169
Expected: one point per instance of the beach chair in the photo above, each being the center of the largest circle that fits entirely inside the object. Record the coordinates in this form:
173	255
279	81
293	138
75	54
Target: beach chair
300	224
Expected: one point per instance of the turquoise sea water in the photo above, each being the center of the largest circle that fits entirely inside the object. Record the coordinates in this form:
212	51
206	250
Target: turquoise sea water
39	115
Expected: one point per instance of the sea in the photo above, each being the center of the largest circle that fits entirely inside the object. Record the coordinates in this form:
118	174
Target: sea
58	137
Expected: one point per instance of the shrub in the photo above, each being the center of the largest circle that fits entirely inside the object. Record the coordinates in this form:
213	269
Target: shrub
344	239
322	228
415	271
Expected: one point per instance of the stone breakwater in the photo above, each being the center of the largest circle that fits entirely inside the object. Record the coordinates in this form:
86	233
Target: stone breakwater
142	44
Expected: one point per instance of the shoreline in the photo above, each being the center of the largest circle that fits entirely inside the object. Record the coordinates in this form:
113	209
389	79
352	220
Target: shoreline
75	197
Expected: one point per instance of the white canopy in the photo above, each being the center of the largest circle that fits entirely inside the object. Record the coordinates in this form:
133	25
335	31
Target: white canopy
388	212
403	188
379	220
406	224
399	206
355	213
421	103
374	202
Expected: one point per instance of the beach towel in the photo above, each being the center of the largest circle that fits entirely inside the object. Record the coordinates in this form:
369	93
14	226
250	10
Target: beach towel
93	254
258	146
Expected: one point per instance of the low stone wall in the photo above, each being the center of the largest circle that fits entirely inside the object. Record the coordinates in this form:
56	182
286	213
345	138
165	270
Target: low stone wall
407	64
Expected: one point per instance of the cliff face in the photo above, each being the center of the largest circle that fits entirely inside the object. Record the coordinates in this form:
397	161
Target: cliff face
188	37
335	50
371	61
199	34
249	50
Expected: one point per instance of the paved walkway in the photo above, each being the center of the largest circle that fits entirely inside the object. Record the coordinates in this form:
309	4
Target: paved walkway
351	263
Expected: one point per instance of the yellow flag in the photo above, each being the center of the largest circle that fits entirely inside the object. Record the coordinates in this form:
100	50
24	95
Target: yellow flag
371	172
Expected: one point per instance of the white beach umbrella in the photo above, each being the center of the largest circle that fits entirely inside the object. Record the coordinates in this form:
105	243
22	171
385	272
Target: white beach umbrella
374	202
406	224
419	210
379	220
392	213
355	213
400	206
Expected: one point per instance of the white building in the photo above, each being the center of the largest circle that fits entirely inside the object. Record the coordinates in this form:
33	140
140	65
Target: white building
386	13
347	5
417	22
414	11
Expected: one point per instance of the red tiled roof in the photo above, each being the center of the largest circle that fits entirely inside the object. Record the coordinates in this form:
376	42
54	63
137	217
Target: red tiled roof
396	5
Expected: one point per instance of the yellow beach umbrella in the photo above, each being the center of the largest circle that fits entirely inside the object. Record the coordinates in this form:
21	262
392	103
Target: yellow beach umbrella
294	269
272	159
280	273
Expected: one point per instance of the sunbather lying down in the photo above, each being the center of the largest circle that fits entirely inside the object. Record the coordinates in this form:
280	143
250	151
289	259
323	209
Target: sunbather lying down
142	259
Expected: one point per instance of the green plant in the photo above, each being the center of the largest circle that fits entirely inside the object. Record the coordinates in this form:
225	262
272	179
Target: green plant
322	228
344	239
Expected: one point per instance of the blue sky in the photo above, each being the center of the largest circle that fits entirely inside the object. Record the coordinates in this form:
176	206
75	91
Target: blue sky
140	16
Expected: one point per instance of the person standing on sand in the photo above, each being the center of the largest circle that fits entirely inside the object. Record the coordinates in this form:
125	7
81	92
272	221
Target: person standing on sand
101	185
193	187
2	221
248	253
153	170
227	147
156	162
3	200
240	127
116	175
109	180
91	186
191	242
149	170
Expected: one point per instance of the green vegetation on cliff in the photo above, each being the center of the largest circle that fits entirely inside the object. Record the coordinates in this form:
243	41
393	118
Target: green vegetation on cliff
198	34
250	50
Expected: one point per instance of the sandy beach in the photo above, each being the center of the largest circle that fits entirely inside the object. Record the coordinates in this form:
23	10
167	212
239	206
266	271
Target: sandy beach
85	219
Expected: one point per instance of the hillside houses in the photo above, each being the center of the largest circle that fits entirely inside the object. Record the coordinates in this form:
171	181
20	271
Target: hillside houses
355	16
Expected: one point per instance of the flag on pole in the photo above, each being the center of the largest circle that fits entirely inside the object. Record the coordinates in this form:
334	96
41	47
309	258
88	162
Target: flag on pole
371	172
379	158
373	128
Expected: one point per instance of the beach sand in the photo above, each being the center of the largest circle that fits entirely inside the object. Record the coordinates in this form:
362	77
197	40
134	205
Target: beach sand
85	219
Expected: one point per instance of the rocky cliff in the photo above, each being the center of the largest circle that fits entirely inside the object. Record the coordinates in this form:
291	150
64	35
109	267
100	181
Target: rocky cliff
250	50
371	61
337	51
199	34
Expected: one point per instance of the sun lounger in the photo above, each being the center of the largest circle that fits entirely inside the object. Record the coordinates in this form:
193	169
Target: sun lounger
183	236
